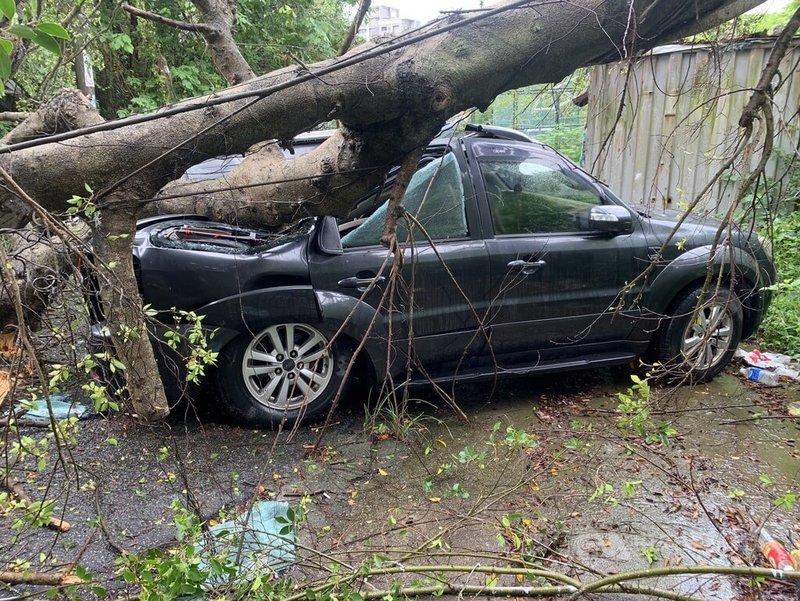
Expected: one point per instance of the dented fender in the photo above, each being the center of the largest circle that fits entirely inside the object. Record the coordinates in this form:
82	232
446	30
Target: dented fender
253	311
357	319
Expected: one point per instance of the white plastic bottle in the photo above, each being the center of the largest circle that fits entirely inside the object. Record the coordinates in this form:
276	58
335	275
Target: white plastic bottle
762	376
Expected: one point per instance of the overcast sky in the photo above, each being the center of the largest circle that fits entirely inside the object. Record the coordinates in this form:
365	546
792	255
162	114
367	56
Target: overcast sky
425	10
771	6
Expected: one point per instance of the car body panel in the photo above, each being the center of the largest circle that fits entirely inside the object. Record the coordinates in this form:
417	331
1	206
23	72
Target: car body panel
563	294
252	311
190	273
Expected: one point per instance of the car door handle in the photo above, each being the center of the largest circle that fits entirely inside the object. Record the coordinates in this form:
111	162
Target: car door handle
526	267
360	284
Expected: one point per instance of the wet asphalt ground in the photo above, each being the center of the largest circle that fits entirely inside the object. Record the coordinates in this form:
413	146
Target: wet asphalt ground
577	493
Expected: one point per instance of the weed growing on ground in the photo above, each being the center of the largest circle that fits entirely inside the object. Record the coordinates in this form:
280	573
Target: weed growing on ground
635	415
781	328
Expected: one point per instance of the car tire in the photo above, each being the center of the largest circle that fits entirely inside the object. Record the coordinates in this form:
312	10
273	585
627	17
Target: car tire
685	349
285	373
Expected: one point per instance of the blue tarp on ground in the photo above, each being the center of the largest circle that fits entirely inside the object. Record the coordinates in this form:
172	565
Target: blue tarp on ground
61	405
254	541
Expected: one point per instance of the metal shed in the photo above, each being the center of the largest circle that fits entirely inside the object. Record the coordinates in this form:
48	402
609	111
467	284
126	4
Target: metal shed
679	121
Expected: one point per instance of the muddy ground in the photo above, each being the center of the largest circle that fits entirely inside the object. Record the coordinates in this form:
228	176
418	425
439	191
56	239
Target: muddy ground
541	472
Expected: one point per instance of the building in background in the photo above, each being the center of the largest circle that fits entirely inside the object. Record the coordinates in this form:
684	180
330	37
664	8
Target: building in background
385	21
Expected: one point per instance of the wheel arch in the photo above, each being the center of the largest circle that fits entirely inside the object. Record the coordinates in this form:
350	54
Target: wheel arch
690	270
251	312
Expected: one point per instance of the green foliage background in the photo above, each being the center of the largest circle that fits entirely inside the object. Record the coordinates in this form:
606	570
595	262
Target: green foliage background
781	328
141	65
545	112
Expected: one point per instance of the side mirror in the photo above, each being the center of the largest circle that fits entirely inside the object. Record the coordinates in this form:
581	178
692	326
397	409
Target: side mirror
612	219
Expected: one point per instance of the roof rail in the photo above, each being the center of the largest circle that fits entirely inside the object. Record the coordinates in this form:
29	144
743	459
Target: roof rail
495	131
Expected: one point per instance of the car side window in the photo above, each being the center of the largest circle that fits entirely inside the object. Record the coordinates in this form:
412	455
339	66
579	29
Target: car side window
435	197
529	194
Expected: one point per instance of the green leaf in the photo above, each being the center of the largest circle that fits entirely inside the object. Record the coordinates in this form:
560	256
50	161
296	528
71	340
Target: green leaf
53	29
8	8
22	31
5	64
47	42
6	45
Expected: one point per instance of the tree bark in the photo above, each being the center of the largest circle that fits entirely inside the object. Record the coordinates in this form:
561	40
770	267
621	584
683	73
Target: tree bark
220	15
122	304
39	263
67	111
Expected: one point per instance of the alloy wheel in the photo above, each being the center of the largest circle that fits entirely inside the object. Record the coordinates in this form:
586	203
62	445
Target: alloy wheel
287	366
708	336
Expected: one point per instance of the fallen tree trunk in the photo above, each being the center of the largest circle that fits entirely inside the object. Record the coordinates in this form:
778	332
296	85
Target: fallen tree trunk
381	93
39	263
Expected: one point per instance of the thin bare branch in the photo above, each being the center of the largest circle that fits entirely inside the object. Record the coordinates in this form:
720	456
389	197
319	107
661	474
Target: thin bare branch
156	18
759	96
361	12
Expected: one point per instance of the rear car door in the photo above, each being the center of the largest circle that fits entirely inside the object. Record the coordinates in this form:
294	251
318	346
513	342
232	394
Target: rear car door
554	281
441	296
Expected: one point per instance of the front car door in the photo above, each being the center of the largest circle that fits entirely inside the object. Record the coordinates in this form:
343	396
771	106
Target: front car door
438	302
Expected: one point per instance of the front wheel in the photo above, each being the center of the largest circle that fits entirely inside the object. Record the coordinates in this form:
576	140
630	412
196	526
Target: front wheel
288	372
696	343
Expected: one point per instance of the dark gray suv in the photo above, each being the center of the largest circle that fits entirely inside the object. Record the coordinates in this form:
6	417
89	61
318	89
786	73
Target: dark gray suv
515	261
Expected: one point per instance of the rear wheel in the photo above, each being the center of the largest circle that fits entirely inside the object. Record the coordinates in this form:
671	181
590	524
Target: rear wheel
696	343
285	372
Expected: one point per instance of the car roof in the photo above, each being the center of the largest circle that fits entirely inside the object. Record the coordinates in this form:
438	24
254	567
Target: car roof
218	167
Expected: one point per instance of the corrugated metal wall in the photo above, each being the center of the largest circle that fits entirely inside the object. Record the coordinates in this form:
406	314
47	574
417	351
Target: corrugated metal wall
680	119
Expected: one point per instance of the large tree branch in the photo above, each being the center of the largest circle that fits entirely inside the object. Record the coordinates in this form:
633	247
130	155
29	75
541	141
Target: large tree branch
705	20
221	16
67	111
220	19
397	88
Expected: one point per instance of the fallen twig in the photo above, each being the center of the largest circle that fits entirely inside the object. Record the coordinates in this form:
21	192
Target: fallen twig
40	578
53	523
312	493
25	422
756	418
